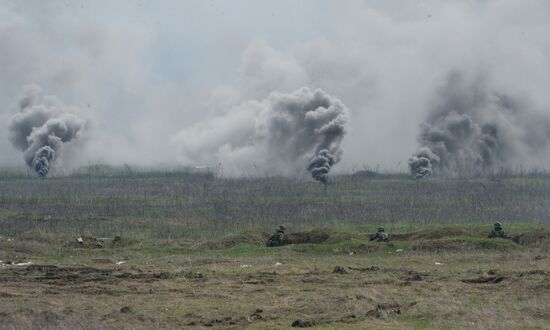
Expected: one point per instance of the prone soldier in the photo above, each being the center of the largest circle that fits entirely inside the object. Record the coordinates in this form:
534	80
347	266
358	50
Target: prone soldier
276	239
497	231
380	236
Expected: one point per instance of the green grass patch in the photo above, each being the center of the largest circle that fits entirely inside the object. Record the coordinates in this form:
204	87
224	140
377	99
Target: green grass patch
8	213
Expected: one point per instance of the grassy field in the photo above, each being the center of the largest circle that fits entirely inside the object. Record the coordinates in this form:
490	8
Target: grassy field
434	277
194	206
191	252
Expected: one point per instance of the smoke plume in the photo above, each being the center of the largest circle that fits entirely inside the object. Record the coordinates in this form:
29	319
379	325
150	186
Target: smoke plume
144	73
42	127
474	129
320	165
422	163
284	134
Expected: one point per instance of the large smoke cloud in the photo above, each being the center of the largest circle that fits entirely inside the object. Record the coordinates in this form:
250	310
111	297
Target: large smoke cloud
284	134
142	81
474	129
42	128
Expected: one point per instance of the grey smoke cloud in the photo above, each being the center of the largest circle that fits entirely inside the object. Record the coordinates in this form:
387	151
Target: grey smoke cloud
42	128
320	165
473	128
283	134
143	73
422	163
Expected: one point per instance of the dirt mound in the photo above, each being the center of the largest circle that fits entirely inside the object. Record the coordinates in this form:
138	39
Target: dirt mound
458	244
228	321
339	270
365	269
253	237
534	239
434	239
321	321
71	275
429	234
126	310
485	279
316	236
303	323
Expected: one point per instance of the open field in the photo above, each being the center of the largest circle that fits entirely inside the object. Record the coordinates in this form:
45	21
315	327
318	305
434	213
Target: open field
438	277
194	206
191	253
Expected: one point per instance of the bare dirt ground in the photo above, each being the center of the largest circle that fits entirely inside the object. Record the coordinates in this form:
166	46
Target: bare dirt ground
334	285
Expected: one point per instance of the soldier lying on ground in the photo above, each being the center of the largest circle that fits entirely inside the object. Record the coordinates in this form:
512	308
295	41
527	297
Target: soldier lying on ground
380	236
498	231
276	238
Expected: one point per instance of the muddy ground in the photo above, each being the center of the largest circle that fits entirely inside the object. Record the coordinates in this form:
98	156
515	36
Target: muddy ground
338	283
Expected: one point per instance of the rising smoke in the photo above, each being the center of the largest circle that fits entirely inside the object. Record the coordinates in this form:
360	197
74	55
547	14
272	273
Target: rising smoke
320	165
473	129
284	134
42	128
422	163
383	59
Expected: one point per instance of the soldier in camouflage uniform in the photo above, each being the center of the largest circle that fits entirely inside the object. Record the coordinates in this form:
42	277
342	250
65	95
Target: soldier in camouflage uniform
498	231
380	236
276	238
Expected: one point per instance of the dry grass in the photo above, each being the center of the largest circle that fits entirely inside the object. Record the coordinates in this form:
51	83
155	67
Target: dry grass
177	226
187	206
159	286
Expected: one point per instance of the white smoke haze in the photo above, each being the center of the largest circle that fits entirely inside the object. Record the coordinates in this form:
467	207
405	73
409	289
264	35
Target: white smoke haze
43	128
284	134
148	72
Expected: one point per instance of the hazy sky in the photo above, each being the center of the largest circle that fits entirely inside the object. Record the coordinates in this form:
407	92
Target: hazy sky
144	71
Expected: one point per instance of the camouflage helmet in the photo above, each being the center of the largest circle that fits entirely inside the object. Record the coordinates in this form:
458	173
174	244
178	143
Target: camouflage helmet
380	229
281	227
498	224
